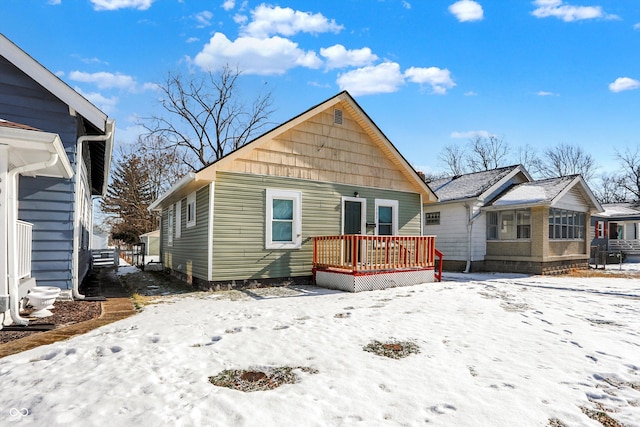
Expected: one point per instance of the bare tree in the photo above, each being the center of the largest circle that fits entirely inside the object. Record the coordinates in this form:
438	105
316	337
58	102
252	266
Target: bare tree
566	159
528	157
608	189
486	153
630	179
206	118
453	156
163	163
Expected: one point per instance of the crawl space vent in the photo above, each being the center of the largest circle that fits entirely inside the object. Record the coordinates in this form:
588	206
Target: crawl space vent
337	116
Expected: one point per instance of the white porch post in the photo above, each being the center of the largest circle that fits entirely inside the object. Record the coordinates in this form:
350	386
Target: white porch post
4	202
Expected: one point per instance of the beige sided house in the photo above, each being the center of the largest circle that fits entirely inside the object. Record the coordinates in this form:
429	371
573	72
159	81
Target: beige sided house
502	220
259	212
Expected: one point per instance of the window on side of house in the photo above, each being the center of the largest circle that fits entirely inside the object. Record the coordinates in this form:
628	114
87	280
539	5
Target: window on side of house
568	225
386	217
170	222
191	210
523	228
283	219
178	219
509	225
432	218
492	225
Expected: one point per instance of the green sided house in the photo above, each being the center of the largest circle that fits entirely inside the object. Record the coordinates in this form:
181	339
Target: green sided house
324	195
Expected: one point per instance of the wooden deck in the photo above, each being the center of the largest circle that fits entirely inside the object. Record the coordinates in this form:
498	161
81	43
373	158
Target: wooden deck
395	259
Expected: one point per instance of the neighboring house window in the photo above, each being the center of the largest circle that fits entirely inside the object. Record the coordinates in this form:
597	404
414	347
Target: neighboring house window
283	219
509	225
386	217
191	210
564	224
170	226
523	227
600	230
178	219
432	218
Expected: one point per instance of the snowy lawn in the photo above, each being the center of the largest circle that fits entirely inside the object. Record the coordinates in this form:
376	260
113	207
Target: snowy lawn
492	350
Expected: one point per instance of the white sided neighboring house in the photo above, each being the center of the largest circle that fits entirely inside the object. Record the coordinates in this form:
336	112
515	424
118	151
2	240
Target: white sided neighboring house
503	220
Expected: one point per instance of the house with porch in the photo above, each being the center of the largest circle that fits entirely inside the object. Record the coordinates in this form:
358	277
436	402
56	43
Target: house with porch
502	220
55	153
617	229
324	196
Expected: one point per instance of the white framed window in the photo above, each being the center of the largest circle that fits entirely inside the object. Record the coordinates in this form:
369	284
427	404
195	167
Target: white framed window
386	217
178	219
432	218
283	219
509	225
191	210
170	222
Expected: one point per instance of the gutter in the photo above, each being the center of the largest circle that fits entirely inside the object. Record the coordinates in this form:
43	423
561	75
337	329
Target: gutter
77	202
12	216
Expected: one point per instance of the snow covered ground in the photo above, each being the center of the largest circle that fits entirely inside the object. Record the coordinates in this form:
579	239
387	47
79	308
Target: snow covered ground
495	350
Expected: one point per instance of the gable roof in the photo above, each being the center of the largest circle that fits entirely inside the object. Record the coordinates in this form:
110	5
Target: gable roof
52	83
545	192
208	174
475	184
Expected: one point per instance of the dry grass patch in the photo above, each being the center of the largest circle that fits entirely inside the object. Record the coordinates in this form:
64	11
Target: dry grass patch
259	379
392	348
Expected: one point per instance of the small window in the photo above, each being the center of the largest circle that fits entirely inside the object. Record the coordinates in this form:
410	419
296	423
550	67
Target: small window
283	219
178	219
492	225
523	227
386	217
191	210
507	225
432	218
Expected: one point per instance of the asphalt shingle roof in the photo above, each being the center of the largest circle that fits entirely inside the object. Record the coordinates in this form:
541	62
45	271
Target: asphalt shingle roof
469	185
535	192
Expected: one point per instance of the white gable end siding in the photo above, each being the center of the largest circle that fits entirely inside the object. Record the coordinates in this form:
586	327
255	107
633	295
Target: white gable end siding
573	201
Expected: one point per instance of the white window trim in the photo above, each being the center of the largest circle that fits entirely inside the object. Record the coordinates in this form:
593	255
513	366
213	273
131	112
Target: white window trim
191	199
296	196
394	210
178	219
170	226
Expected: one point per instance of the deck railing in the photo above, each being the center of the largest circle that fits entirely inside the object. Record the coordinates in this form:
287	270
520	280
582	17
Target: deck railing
618	245
24	237
358	253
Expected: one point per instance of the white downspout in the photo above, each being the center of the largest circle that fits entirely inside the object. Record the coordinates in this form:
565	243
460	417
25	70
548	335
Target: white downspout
470	220
12	190
76	213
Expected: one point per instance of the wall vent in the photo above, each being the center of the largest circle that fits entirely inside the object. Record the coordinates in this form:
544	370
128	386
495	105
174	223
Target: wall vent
337	116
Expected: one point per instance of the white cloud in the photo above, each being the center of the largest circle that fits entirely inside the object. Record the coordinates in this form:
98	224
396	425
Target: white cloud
637	26
108	105
545	93
467	10
382	78
121	4
439	79
270	20
568	13
339	57
274	55
470	93
104	80
54	2
203	18
406	5
228	4
193	39
471	134
240	19
624	83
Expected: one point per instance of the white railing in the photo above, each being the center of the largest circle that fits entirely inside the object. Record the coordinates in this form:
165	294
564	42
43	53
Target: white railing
617	245
24	248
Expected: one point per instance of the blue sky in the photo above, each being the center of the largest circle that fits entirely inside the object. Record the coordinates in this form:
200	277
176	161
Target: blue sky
429	73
